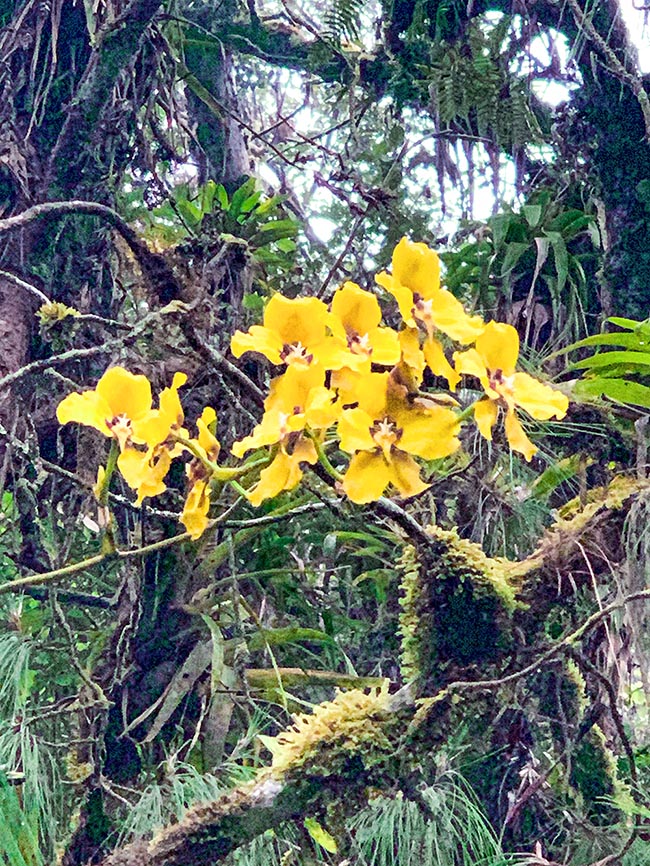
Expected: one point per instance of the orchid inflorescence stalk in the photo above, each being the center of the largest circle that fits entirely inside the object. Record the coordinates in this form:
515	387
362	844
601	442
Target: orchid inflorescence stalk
347	379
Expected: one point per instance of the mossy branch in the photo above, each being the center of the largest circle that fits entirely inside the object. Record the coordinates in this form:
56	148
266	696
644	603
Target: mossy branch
347	757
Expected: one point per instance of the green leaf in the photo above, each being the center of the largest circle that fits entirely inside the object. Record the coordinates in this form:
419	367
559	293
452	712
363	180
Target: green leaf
561	256
270	204
608	359
565	219
619	338
290	634
554	475
320	835
273	231
620	390
575	227
207	197
239	196
532	213
216	668
251	202
222	196
642	327
190	212
253	301
500	225
514	251
287	245
396	136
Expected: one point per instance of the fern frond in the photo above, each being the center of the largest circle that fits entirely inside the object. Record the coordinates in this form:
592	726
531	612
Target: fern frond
342	20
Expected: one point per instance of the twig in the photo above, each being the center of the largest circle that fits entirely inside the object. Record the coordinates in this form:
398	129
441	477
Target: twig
153	265
635	82
565	642
341	256
67	597
75	354
84	564
213	354
28	287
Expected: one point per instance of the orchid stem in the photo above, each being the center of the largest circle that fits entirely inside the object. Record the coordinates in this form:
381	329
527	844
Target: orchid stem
218	473
111	463
324	460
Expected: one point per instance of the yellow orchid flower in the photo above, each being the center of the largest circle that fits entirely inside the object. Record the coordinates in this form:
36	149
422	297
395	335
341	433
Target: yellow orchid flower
285	471
382	433
292	333
493	361
415	284
118	405
145	471
298	400
355	322
168	419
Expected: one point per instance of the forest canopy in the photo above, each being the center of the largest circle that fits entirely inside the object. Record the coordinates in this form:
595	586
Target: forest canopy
324	400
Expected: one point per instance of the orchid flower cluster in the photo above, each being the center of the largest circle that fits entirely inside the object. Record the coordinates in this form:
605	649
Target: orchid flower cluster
348	380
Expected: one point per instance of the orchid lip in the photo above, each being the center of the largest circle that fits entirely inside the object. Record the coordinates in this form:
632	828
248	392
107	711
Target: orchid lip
358	344
296	352
386	434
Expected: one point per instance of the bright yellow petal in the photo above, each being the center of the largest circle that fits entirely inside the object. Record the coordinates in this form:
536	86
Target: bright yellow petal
292	389
126	393
284	473
412	354
516	437
485	415
195	512
470	363
170	402
305	452
144	473
153	484
438	363
258	339
152	430
372	394
402	294
156	426
333	353
321	410
88	408
538	399
498	345
367	477
416	266
298	320
269	431
385	346
431	434
207	440
405	475
449	316
354	431
357	310
346	383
